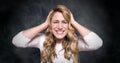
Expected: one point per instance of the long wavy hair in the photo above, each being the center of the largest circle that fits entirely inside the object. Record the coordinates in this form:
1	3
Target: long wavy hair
70	44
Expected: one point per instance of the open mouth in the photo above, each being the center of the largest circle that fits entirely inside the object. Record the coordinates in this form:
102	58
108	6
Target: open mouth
59	31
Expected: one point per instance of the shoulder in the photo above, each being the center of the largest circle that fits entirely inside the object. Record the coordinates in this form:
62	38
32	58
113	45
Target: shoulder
41	36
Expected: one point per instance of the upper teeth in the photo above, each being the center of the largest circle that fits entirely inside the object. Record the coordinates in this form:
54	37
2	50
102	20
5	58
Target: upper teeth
59	32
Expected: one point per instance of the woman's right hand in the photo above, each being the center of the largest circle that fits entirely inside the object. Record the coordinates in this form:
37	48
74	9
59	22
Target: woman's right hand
48	17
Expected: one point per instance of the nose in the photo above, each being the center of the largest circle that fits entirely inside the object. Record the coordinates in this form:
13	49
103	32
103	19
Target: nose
60	26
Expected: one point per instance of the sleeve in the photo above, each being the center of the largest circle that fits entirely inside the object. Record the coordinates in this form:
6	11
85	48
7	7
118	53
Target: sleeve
90	42
20	40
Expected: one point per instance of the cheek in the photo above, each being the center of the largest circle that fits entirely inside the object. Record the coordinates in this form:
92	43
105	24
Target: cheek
53	26
66	27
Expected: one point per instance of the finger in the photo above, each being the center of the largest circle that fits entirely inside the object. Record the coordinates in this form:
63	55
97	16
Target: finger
51	12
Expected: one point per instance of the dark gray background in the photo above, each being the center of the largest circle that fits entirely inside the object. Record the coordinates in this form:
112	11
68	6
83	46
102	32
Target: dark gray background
101	16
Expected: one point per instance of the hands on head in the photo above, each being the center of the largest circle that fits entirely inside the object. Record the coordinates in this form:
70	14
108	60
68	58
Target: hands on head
49	16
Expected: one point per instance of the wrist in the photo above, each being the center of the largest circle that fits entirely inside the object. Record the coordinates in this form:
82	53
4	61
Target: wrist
73	22
45	24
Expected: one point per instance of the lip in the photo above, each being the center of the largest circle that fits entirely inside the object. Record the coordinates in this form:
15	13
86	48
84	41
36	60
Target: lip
59	32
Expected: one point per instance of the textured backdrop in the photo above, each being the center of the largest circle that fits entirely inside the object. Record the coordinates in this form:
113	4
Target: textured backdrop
98	15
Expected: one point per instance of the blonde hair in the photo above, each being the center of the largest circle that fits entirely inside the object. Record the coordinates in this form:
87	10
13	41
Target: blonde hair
70	44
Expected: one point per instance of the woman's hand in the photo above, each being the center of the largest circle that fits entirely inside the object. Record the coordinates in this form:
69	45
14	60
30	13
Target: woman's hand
48	17
72	18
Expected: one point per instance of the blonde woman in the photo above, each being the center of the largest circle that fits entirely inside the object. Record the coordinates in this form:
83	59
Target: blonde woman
59	44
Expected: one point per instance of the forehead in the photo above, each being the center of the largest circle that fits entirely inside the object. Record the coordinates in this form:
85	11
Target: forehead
58	16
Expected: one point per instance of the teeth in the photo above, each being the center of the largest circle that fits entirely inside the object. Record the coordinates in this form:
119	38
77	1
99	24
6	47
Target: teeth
59	32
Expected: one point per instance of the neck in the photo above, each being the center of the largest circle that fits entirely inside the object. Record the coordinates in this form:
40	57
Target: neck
59	40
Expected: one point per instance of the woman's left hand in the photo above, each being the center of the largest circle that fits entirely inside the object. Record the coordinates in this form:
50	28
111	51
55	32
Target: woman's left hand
72	18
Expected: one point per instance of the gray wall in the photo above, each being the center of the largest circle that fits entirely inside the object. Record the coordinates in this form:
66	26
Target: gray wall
96	15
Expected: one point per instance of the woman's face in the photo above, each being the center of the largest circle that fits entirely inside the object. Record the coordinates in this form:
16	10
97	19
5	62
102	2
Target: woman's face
59	25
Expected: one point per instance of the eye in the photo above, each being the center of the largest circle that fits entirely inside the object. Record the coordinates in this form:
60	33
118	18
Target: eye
65	22
55	21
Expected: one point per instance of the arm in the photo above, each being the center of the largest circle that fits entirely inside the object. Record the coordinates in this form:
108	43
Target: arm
32	32
29	37
91	41
83	31
20	40
24	37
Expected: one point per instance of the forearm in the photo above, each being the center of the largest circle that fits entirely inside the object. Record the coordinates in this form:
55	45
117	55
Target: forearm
32	32
23	38
83	31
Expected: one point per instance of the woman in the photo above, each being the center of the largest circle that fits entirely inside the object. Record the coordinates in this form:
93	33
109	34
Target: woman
59	44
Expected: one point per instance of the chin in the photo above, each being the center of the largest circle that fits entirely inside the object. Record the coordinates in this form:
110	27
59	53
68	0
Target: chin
60	37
